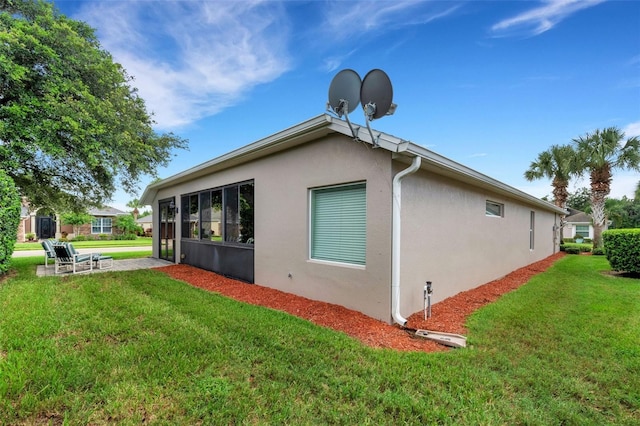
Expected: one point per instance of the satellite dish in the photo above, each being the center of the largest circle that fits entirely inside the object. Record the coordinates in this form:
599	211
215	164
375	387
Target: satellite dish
344	92
376	94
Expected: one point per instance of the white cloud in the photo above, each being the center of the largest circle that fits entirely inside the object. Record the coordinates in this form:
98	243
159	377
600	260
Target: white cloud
345	20
543	18
361	22
632	129
193	59
624	184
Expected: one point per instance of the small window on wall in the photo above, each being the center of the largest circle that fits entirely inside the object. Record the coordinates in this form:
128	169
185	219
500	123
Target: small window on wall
101	225
338	229
494	209
582	231
532	229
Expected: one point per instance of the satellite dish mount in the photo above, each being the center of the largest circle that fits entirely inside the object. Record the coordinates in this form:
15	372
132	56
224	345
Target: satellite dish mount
344	95
374	93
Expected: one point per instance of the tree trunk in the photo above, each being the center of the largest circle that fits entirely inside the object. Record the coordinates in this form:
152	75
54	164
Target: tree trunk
597	205
600	188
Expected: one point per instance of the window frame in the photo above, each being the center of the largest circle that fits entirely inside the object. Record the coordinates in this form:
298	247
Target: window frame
102	226
579	232
354	261
532	230
489	213
208	194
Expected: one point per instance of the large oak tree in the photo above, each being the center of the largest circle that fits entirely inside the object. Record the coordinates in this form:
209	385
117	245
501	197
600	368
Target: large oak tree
72	127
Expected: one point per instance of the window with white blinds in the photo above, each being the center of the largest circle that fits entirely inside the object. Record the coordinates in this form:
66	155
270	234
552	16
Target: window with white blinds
339	224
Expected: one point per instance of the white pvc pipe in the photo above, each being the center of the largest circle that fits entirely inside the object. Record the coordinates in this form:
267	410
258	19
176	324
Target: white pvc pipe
395	241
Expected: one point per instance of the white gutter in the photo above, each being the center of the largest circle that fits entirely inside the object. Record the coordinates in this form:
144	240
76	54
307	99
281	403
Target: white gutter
395	242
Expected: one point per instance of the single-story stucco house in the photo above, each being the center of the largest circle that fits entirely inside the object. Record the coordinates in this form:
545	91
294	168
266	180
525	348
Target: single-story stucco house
579	224
313	211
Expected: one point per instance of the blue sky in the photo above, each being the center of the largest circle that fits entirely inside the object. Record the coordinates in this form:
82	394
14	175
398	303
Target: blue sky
489	84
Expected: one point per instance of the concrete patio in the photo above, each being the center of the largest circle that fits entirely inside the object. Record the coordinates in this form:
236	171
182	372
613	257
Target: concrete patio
118	265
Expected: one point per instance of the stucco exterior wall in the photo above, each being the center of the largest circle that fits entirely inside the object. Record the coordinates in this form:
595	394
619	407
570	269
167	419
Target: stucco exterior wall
282	184
448	239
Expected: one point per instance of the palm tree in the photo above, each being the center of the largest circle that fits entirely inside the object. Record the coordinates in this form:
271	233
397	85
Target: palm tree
557	164
600	153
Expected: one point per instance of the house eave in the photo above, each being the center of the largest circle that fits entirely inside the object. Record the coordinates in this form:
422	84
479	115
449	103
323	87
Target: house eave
325	124
306	131
443	166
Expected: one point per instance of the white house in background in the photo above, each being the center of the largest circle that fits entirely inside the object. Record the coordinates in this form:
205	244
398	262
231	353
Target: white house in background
579	224
313	211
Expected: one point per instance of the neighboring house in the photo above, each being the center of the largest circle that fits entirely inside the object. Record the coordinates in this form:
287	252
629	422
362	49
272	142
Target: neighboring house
146	222
579	224
46	225
103	222
25	226
315	212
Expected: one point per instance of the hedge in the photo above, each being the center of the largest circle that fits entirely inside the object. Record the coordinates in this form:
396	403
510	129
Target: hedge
622	248
9	219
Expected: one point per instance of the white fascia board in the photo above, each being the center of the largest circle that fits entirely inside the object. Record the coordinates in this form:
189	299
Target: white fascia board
304	132
447	167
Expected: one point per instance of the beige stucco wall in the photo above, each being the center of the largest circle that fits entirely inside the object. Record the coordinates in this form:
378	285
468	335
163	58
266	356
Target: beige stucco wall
282	184
448	239
446	236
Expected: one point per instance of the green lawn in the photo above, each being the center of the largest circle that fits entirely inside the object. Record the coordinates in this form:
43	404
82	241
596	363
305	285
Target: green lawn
132	347
139	242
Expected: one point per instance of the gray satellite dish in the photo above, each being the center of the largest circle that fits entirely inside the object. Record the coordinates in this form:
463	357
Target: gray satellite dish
344	92
376	94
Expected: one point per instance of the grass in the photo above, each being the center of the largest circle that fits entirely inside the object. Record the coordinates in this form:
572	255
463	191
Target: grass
132	347
139	242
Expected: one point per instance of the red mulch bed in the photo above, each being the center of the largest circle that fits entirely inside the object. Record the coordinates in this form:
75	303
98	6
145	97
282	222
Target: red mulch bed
448	315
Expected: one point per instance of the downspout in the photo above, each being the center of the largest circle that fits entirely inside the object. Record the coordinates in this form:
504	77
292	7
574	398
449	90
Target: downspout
395	242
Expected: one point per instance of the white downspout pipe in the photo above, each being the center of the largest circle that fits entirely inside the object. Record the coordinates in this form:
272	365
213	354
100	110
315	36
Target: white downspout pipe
395	242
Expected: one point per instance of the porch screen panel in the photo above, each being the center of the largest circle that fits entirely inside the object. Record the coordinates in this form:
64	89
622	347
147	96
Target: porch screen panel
339	224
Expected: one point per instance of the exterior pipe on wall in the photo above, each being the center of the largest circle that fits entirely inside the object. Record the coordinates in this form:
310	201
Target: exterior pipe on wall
395	242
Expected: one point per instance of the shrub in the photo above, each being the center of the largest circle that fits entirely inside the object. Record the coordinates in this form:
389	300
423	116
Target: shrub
9	219
572	250
30	236
76	219
563	247
598	251
585	249
622	248
125	237
103	237
569	240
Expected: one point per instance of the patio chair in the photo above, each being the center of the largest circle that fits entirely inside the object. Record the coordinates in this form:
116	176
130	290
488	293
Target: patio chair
100	261
49	252
67	256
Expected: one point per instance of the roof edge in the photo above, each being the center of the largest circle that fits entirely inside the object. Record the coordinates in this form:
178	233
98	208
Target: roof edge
468	174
